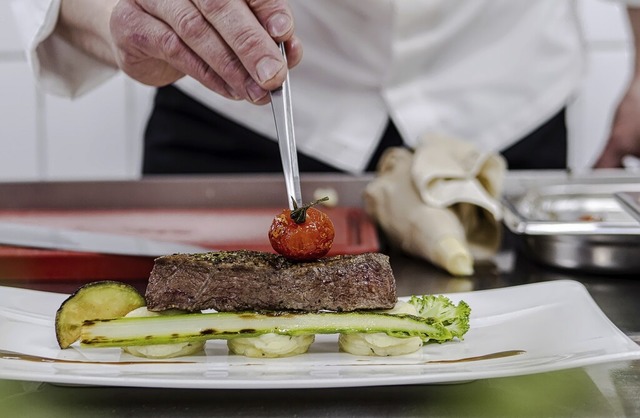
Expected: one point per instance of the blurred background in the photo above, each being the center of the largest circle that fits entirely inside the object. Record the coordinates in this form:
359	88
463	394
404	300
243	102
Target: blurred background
98	136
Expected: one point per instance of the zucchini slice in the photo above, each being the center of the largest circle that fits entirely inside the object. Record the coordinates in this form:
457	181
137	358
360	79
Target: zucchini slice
96	300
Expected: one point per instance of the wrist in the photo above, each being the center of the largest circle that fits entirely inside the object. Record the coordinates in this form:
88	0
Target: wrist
86	25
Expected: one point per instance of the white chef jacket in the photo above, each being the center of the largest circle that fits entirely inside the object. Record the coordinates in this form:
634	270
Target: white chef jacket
487	71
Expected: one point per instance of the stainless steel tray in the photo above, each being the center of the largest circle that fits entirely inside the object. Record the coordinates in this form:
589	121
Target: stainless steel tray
630	201
577	226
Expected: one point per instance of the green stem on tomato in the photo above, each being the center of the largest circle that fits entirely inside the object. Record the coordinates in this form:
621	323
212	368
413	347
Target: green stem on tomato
299	214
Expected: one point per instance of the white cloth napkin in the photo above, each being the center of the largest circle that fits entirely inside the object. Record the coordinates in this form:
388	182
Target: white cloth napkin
441	202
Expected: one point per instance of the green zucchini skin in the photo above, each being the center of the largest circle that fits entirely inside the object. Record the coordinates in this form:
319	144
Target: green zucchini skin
102	299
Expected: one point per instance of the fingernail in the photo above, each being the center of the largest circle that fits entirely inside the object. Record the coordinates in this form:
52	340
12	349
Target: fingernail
232	92
267	68
279	25
255	92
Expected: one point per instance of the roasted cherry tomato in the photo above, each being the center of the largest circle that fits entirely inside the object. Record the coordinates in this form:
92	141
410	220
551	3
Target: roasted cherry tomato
302	234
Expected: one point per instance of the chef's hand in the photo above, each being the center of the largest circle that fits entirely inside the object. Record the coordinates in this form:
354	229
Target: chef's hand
227	45
624	138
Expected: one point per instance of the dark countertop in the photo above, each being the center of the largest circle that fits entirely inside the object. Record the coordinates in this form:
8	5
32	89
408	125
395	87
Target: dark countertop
596	391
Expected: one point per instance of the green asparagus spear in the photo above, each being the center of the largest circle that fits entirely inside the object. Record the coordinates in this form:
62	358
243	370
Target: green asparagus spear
122	332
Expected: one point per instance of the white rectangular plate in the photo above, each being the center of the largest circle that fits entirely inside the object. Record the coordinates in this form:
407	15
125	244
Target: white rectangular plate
514	331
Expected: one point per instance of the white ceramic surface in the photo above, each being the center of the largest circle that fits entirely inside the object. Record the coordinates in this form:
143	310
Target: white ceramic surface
551	325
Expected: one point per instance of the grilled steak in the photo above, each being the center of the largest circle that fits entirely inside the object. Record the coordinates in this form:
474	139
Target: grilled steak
251	280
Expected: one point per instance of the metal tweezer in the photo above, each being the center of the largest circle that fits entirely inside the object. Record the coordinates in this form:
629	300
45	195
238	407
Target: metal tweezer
283	115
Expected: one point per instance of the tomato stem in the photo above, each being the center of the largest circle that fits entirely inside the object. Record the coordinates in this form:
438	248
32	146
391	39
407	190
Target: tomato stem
299	214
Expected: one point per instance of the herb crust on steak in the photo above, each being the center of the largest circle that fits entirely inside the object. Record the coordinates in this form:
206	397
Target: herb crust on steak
259	281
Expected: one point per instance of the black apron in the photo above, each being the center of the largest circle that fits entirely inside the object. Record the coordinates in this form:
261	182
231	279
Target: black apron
185	137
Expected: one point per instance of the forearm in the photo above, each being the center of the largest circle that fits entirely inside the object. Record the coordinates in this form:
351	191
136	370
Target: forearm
624	138
85	24
633	14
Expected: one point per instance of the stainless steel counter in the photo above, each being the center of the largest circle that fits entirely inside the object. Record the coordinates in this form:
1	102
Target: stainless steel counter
596	391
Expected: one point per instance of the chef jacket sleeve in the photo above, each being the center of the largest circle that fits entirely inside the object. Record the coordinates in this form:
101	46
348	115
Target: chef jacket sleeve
59	68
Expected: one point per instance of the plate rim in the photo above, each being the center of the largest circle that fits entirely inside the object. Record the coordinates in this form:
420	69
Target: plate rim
13	369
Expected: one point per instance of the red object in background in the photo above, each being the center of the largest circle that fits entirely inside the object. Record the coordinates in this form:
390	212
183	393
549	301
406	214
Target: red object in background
32	263
218	229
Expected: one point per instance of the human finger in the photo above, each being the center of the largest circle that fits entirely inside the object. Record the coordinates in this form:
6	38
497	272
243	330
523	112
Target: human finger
617	145
275	16
148	50
624	137
611	157
198	34
294	51
245	34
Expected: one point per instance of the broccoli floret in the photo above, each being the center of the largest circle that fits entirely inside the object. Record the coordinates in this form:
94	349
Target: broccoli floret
454	317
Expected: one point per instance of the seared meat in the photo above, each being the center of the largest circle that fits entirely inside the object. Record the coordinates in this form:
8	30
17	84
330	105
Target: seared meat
251	280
